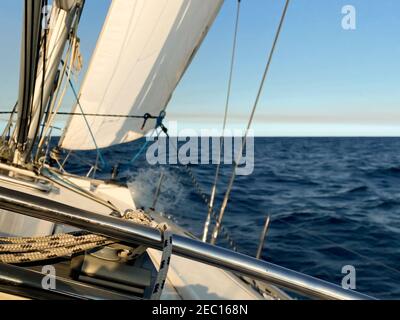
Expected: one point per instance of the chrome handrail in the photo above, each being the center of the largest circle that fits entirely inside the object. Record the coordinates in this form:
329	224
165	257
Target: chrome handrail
130	232
44	186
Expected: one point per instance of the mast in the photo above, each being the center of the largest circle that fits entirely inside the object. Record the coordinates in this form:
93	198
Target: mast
64	14
41	53
30	44
44	56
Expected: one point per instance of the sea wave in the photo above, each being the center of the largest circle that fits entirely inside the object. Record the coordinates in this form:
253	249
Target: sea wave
333	202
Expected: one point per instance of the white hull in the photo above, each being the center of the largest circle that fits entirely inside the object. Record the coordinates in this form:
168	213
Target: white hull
207	282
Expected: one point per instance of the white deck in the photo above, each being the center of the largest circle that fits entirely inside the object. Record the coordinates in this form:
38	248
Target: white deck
187	279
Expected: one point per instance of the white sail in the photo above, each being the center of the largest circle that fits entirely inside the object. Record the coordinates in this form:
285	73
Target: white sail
143	50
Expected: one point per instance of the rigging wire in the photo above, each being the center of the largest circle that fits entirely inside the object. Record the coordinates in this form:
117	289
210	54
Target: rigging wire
204	197
55	95
159	125
146	116
99	154
236	162
52	106
7	129
70	56
228	96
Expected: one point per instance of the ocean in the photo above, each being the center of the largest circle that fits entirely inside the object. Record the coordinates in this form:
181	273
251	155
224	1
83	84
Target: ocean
333	202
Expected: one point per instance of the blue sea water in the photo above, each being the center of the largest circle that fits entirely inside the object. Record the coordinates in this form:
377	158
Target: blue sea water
332	201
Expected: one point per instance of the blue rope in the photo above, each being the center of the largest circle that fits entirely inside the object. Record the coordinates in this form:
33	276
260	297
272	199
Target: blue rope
139	153
160	119
159	124
103	162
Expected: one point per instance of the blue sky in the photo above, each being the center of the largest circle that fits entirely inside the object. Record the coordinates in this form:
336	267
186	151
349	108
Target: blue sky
323	80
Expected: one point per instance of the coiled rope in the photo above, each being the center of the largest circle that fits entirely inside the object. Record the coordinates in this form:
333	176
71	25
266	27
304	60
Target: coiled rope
33	249
17	250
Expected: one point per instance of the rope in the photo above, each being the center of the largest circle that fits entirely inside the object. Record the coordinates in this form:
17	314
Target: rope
140	152
100	156
165	262
159	124
8	112
22	250
228	96
16	250
146	116
236	163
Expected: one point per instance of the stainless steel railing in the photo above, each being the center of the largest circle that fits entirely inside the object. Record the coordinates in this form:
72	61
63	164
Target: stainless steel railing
189	248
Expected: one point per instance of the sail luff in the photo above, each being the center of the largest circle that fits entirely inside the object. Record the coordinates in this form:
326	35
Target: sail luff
141	55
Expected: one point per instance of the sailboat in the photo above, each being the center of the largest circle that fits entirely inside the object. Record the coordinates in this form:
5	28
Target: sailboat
65	236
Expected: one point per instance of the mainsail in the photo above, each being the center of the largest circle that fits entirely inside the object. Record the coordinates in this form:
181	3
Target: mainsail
142	53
